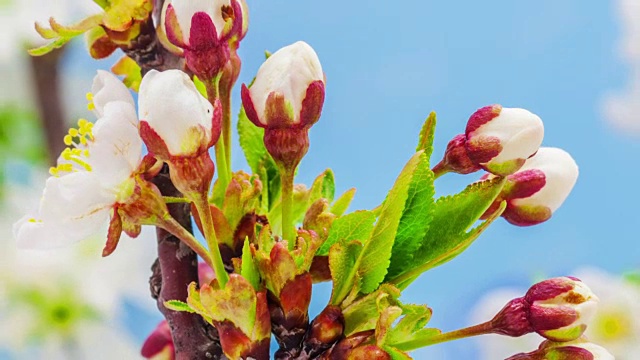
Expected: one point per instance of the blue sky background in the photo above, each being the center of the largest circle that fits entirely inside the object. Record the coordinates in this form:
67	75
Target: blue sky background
388	64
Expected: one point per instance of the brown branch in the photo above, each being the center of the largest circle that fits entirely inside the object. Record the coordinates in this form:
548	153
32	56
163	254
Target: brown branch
46	81
175	269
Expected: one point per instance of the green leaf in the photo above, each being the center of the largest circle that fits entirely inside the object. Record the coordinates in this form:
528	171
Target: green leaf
342	264
251	141
427	134
376	254
363	314
177	305
249	269
415	318
396	354
452	218
341	204
355	226
416	218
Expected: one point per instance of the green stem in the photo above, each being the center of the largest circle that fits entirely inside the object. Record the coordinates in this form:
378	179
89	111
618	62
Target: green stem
225	99
204	211
224	170
171	225
480	329
440	169
288	227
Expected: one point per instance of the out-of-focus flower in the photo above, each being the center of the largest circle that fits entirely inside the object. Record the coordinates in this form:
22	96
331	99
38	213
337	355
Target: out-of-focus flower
159	344
615	324
68	302
538	189
499	139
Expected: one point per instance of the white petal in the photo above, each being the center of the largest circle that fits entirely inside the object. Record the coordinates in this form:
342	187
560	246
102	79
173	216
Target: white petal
185	9
116	151
107	87
171	104
73	208
520	133
289	71
561	173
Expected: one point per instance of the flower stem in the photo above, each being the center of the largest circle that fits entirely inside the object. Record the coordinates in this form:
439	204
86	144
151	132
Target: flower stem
224	170
480	329
288	227
440	169
225	99
202	205
175	200
171	225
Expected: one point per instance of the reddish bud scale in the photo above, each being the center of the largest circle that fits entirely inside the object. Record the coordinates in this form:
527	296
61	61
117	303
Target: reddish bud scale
513	319
456	158
482	149
289	314
340	350
325	330
368	352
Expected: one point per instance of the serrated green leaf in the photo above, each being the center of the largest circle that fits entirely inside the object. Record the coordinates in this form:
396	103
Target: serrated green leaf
177	305
342	264
341	204
355	226
362	314
249	269
375	257
416	218
452	218
427	134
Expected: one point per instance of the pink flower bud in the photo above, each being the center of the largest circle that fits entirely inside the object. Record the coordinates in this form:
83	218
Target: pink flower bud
202	28
286	99
500	139
557	309
159	344
539	187
575	350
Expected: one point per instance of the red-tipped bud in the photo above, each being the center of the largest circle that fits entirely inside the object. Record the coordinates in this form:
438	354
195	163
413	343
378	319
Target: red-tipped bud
286	99
575	350
558	309
203	29
499	139
538	188
159	344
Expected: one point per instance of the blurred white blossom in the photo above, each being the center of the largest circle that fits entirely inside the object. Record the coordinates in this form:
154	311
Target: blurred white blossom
67	303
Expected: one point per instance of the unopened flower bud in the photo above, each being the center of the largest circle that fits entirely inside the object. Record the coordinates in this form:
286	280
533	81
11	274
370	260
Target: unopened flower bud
286	99
159	344
575	350
557	309
539	187
456	158
202	28
499	139
179	126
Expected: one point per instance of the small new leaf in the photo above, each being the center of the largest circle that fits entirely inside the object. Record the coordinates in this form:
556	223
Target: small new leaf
342	203
427	134
249	269
177	305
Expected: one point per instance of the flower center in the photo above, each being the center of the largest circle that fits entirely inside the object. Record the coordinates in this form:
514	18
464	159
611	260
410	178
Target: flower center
74	157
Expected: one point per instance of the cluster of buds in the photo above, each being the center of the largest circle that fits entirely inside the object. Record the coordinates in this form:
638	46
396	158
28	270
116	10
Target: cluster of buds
558	309
506	143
